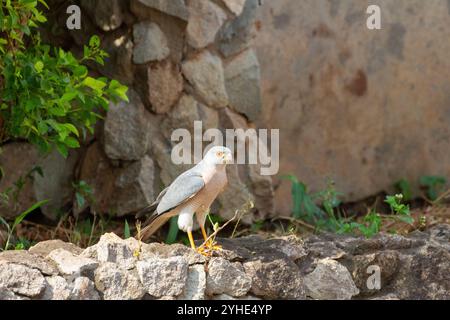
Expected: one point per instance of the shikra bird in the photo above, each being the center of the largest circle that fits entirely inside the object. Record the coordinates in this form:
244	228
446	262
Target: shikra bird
190	193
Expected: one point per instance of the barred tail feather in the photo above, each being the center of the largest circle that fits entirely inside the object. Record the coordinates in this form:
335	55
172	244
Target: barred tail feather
145	211
154	223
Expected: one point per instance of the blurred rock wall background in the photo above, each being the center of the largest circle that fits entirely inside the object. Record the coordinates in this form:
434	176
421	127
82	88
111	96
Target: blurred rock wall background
364	108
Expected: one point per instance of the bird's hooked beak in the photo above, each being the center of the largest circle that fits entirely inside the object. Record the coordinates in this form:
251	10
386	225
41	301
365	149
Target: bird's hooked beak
227	158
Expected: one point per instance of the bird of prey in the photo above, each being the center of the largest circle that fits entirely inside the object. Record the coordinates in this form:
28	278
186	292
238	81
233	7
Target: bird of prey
190	193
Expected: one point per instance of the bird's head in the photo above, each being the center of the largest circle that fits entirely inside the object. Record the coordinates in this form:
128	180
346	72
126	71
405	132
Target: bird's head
218	155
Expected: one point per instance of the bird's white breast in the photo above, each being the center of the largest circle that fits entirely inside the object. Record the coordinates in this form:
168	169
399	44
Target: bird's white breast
215	182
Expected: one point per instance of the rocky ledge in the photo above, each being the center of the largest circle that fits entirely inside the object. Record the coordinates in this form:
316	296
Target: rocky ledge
318	267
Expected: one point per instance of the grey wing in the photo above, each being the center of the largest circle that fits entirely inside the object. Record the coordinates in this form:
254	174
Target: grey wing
184	187
150	208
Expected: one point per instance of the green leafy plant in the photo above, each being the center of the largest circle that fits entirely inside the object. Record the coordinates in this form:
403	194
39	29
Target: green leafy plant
83	193
434	186
404	187
399	210
304	206
22	244
321	210
370	225
373	221
46	94
257	225
18	220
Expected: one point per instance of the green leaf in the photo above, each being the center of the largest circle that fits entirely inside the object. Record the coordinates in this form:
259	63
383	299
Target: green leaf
42	127
19	246
57	110
44	3
119	90
406	219
39	66
71	142
40	18
173	230
80	199
126	231
69	96
62	149
434	185
94	41
23	215
94	83
3	221
71	128
405	188
80	71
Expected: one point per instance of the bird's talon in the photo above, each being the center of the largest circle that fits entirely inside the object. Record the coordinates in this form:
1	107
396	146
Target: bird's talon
209	248
204	251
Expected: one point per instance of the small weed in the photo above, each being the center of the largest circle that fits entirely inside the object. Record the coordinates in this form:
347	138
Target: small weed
126	230
373	222
371	225
22	244
304	206
11	228
434	186
173	230
256	226
400	211
12	193
404	187
83	193
321	211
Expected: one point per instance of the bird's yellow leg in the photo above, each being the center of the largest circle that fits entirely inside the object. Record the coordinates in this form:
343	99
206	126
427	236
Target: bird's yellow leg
205	235
191	240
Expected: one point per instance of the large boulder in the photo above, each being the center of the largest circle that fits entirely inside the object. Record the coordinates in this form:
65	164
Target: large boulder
125	129
242	80
236	35
117	190
225	277
34	178
21	279
150	43
330	281
175	8
163	277
205	20
205	73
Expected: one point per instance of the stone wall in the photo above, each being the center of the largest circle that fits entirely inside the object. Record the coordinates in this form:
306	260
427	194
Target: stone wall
183	61
362	107
318	267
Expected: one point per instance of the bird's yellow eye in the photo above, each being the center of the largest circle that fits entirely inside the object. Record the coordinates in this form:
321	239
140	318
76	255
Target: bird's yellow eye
219	154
